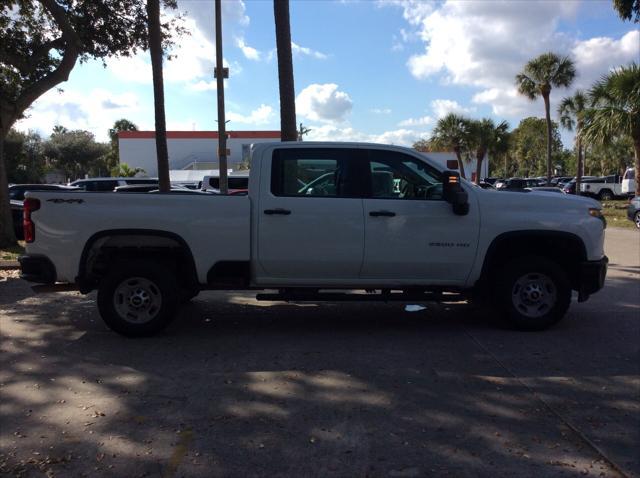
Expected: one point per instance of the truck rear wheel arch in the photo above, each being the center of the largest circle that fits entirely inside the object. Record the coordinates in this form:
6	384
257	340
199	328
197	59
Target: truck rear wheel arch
564	248
107	248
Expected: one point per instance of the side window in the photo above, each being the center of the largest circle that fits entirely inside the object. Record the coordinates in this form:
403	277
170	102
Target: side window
398	176
315	173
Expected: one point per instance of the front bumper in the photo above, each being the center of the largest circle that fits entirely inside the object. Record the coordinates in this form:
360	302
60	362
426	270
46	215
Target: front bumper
37	269
591	277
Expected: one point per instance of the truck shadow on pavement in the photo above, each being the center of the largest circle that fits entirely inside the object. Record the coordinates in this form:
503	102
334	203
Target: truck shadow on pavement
239	388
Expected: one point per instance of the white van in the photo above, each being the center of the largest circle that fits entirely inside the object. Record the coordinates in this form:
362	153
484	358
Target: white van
629	182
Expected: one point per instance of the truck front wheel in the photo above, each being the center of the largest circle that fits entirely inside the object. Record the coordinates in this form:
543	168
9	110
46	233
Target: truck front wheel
138	299
534	293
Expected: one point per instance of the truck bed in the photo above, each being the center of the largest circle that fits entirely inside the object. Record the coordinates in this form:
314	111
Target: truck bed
214	227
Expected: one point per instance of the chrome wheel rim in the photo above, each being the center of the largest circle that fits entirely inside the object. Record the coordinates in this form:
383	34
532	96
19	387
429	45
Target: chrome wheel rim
137	300
638	220
533	295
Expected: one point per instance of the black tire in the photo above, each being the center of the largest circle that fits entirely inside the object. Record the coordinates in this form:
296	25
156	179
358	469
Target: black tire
636	219
534	293
605	195
151	285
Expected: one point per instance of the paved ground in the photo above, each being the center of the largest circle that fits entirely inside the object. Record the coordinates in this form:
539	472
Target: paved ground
238	388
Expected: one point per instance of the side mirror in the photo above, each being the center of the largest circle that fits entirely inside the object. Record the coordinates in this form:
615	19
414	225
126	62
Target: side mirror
454	193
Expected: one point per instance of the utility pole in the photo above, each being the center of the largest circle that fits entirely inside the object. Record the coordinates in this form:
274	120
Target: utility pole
221	74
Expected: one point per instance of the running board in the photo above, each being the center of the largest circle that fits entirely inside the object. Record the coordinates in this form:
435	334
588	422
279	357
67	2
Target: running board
361	297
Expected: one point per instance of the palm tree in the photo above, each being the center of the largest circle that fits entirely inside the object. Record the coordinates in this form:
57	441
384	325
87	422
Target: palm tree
155	49
288	127
615	111
539	76
451	132
571	112
485	137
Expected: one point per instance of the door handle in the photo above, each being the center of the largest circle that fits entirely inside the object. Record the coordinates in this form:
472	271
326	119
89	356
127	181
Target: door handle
382	213
271	212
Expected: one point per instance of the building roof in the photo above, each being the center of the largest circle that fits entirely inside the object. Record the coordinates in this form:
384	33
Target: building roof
200	134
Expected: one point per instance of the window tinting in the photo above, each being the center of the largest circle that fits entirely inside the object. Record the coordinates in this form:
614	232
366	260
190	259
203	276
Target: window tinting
398	176
315	173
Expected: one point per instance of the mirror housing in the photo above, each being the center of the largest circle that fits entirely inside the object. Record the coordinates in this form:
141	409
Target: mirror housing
454	193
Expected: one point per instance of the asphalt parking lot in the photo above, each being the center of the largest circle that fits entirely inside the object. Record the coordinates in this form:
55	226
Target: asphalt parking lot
239	388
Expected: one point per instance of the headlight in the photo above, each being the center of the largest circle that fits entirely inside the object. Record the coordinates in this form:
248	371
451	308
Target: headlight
598	213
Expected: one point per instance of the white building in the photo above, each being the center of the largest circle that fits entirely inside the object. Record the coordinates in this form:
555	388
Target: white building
188	150
449	161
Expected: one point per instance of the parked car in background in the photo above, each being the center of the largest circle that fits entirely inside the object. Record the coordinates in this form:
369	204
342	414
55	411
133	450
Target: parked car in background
492	181
548	189
560	180
17	191
633	211
235	181
570	187
605	188
109	184
517	184
16	197
628	182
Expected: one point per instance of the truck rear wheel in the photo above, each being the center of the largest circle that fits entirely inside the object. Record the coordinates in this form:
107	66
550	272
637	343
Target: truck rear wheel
605	195
534	293
138	299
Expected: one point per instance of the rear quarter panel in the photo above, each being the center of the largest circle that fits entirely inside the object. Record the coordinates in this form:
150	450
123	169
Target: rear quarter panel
214	227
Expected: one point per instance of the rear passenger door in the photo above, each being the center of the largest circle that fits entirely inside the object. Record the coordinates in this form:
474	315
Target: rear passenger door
310	217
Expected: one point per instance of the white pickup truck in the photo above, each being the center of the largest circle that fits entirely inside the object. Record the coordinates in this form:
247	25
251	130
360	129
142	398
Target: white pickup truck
605	188
321	221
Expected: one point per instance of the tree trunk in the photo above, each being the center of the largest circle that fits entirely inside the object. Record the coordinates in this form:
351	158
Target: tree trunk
155	48
579	168
479	158
7	235
548	116
288	128
460	165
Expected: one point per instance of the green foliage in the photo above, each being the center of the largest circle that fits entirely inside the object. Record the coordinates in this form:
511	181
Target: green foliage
529	145
76	153
543	73
123	170
612	158
24	157
615	106
628	9
424	146
36	35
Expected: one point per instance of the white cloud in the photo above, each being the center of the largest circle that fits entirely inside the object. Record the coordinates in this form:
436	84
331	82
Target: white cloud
249	52
596	56
380	111
443	107
95	112
260	116
323	102
423	120
484	44
331	132
301	50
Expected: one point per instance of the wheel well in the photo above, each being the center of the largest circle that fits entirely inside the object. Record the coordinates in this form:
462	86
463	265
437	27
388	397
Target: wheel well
565	249
107	249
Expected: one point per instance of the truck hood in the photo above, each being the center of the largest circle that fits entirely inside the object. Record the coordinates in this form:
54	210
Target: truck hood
536	201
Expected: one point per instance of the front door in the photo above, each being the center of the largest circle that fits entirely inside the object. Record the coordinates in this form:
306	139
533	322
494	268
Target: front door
310	218
412	236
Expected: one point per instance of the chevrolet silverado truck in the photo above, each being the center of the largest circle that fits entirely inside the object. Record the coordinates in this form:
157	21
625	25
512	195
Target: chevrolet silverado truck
321	221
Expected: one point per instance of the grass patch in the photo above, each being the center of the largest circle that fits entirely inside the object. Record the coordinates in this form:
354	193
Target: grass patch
616	213
12	253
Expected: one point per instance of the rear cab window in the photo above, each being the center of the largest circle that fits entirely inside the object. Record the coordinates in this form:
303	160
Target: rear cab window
321	172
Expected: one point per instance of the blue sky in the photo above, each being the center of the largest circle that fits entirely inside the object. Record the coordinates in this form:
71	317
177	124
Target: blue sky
381	71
